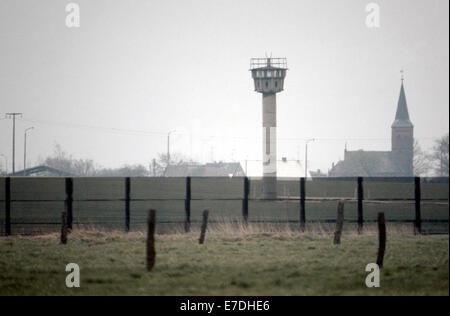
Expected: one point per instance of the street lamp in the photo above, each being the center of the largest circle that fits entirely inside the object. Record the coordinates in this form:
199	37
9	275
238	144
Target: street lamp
6	163
25	151
306	155
168	147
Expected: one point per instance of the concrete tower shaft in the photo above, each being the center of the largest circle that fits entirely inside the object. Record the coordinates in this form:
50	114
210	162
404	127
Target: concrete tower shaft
269	114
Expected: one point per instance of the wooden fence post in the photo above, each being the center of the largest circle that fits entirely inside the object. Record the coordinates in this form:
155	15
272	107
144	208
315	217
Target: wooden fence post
64	228
151	253
187	206
302	204
339	223
204	226
360	205
69	202
7	206
418	198
127	204
245	201
382	239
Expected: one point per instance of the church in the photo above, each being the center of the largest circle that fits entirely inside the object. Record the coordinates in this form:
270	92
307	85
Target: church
395	163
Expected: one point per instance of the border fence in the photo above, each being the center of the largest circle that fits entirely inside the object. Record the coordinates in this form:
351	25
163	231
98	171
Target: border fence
30	205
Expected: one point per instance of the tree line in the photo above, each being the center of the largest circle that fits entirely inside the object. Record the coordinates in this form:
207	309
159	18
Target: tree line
63	161
433	163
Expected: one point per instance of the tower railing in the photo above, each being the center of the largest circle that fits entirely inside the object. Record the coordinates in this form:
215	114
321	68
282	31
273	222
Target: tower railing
268	62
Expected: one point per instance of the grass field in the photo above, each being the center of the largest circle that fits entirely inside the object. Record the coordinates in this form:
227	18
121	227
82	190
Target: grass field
233	261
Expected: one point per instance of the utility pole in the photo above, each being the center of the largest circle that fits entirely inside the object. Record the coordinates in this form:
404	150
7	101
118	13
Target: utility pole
13	116
306	156
25	151
168	147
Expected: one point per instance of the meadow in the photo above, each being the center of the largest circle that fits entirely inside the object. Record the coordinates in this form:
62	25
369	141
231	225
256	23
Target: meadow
257	260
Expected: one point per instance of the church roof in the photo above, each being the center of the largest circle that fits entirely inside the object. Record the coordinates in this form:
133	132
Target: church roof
402	115
365	164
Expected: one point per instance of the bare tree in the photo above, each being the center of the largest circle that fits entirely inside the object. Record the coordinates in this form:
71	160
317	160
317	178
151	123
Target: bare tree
125	171
64	161
60	160
440	156
422	163
84	167
176	159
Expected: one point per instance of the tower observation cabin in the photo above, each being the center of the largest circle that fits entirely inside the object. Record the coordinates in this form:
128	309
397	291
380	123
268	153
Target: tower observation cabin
268	74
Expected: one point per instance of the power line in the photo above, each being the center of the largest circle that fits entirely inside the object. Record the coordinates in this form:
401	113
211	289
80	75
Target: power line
204	136
102	128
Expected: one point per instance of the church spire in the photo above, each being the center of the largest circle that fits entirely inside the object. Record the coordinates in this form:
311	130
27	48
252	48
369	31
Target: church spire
402	114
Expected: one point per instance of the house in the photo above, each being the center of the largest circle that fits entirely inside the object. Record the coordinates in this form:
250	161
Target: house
41	171
285	168
216	169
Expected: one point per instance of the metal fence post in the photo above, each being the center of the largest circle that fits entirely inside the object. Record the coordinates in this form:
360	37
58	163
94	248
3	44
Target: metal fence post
245	201
418	198
7	206
360	205
187	206
127	204
302	204
69	202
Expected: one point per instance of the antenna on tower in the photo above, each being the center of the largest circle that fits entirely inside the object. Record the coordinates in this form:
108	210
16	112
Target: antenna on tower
402	72
269	59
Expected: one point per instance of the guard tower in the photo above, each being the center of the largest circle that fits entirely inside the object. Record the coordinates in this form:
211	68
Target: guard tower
268	75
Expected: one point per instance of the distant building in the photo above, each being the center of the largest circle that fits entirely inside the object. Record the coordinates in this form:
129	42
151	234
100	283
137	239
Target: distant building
395	163
218	169
41	171
317	174
285	168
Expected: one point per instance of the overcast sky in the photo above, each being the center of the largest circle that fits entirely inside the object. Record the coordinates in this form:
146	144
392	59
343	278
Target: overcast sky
111	89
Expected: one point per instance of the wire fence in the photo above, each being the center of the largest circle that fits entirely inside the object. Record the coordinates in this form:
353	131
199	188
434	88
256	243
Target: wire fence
31	205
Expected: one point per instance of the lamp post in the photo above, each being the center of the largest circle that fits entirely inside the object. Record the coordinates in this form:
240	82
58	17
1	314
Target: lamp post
168	147
13	116
25	151
306	155
6	163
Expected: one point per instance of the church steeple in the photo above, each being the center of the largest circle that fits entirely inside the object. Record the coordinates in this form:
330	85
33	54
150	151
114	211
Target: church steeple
403	137
402	115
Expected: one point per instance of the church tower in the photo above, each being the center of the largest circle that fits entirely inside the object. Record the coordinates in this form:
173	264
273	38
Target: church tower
403	138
